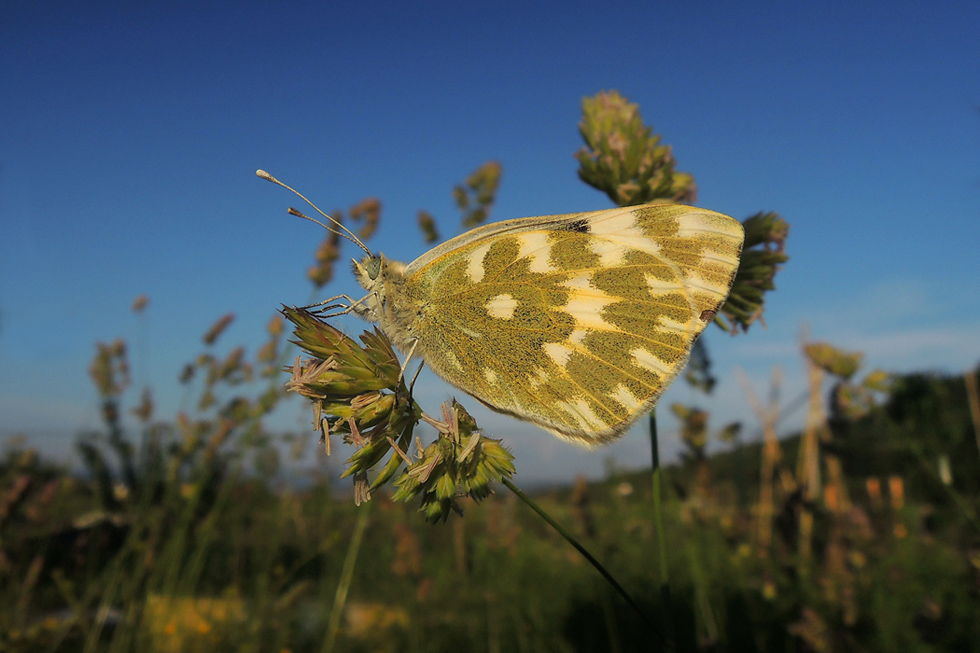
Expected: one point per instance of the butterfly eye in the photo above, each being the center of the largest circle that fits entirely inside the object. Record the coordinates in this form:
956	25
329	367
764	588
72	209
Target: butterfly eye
373	267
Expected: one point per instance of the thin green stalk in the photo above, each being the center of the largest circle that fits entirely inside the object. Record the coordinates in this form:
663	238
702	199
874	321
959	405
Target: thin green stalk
345	578
701	599
581	549
658	521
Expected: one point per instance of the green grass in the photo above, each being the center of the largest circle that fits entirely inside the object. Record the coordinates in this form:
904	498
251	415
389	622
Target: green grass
219	560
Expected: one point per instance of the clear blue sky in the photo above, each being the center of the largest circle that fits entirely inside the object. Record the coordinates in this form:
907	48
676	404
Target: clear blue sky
130	133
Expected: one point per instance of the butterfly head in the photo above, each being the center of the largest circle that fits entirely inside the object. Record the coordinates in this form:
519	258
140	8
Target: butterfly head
374	269
376	273
369	270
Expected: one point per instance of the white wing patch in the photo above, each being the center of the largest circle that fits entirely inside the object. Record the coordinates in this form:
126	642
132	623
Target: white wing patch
585	304
616	234
502	307
611	254
625	398
650	362
535	246
475	268
658	286
616	223
583	414
692	280
577	336
558	353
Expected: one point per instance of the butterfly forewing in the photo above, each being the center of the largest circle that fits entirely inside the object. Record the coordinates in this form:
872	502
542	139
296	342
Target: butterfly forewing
574	322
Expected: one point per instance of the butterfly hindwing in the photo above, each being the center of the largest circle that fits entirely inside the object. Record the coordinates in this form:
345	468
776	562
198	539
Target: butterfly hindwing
574	322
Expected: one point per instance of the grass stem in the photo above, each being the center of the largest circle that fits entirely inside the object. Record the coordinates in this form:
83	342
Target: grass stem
340	599
581	549
658	520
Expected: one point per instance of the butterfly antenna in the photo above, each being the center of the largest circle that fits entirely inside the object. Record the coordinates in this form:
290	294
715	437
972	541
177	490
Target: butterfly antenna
349	235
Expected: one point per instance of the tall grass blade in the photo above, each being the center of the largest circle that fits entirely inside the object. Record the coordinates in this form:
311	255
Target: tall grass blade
345	578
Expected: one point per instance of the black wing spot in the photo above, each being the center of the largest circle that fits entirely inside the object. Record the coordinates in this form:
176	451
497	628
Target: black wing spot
578	226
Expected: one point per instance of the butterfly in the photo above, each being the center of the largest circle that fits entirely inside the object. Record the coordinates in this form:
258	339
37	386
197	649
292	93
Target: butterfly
575	322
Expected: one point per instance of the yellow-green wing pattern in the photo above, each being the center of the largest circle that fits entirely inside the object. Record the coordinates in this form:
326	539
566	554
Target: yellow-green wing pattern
575	322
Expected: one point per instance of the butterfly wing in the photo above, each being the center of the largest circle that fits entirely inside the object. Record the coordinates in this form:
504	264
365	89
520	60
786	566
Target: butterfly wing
574	322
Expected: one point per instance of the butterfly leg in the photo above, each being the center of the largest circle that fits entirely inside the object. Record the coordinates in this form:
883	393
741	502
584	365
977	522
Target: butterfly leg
327	307
408	357
411	386
330	299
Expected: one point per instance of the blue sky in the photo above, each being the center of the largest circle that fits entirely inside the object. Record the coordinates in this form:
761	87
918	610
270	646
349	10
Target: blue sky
130	133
